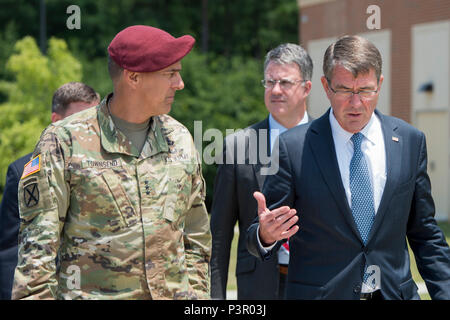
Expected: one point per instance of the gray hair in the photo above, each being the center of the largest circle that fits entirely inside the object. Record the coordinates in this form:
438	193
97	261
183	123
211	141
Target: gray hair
356	54
291	53
72	92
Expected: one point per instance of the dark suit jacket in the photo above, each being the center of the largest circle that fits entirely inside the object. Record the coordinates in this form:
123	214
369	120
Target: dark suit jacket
9	226
327	253
233	202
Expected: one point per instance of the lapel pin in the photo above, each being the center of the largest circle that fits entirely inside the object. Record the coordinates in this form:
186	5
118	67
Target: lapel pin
395	139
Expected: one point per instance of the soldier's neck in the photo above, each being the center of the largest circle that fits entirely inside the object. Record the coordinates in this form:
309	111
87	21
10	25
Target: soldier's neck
122	107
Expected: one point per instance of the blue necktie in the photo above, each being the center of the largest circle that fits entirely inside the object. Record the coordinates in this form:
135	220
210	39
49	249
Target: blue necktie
363	208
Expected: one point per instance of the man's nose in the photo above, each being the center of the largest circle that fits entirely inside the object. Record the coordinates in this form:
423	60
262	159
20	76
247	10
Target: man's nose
276	88
178	83
355	99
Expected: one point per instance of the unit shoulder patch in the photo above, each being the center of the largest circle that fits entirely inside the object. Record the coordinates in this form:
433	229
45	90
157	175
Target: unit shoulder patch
31	194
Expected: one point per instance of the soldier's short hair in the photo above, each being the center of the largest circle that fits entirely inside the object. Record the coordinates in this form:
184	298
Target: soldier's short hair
72	92
114	69
356	54
287	53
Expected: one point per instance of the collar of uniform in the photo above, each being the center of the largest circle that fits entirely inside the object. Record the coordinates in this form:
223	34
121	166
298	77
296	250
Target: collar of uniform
156	142
114	141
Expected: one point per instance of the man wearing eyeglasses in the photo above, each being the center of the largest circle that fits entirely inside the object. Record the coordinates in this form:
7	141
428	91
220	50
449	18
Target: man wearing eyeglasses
352	187
287	83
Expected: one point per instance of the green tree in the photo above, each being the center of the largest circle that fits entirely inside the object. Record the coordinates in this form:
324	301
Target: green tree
233	27
28	107
8	38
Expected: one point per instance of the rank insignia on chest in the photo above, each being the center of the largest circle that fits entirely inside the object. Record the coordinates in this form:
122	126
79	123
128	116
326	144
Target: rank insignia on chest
31	194
147	187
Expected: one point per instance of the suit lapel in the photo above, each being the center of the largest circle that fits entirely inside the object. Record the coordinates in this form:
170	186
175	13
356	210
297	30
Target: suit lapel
393	144
257	167
322	145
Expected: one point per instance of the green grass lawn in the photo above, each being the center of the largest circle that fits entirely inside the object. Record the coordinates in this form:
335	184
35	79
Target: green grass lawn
231	285
445	226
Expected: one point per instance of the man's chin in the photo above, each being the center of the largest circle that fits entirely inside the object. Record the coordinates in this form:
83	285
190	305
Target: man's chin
167	108
278	112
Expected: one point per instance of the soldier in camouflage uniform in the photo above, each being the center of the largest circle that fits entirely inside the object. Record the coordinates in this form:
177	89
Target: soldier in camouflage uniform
104	219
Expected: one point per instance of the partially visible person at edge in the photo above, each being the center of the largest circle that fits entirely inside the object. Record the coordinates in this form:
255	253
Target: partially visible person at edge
70	98
121	193
351	189
287	81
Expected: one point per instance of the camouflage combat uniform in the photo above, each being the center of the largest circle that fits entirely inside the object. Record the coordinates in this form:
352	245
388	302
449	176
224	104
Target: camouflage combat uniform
122	225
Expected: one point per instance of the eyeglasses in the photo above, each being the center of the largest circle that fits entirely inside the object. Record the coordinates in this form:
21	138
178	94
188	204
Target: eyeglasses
285	84
347	94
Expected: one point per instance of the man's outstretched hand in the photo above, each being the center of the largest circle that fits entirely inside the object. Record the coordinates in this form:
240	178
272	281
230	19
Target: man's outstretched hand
277	224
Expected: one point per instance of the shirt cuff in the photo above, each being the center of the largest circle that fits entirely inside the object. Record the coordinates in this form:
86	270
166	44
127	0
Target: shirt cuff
264	250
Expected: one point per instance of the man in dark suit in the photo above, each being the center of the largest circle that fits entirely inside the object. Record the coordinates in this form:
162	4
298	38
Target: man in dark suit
357	183
287	75
68	99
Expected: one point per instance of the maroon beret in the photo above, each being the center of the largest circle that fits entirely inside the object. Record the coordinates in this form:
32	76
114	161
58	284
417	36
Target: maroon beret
147	49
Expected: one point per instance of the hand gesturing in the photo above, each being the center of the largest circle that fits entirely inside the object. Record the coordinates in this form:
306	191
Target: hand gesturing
277	224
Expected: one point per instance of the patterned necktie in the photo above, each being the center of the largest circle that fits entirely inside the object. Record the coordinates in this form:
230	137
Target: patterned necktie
363	208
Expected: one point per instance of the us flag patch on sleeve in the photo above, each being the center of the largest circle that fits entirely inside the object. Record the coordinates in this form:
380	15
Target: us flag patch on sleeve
31	167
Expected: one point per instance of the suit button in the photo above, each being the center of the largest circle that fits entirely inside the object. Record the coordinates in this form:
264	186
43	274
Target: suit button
357	289
267	256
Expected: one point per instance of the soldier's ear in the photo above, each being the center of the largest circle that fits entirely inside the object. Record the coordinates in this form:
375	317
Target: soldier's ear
56	117
131	77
